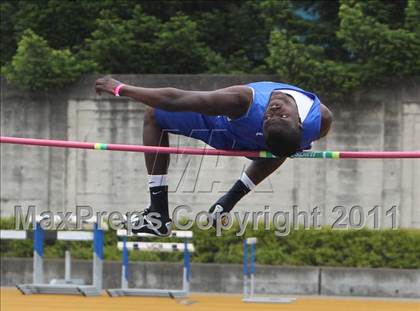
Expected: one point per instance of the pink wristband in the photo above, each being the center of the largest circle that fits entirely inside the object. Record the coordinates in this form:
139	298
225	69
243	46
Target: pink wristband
117	89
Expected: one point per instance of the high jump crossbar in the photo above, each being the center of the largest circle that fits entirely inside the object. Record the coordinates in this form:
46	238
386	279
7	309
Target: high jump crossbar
212	152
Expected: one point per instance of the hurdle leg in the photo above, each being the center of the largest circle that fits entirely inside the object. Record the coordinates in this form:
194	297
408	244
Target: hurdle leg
252	271
245	269
186	269
69	286
147	292
67	266
249	277
98	256
124	266
38	262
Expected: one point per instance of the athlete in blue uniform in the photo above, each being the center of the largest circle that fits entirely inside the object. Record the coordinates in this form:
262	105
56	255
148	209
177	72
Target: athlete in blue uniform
270	116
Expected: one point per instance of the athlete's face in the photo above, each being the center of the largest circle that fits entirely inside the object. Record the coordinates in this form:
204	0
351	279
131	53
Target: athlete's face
282	110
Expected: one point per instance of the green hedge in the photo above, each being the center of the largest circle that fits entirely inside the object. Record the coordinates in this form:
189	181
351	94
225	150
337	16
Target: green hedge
325	247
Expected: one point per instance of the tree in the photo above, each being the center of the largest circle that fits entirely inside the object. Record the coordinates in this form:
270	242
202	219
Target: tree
120	45
37	66
325	45
8	41
179	49
413	17
375	51
143	44
380	50
306	66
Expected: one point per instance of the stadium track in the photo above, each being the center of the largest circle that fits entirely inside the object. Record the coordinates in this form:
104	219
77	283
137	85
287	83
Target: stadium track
13	300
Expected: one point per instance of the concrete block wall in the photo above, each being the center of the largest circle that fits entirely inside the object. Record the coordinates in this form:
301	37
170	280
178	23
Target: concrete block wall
228	278
370	282
381	118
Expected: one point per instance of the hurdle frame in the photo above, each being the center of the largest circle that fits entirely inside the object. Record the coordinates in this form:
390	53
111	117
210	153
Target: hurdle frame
38	285
249	295
154	246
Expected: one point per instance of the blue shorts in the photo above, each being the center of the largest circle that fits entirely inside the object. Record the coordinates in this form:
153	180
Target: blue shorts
209	129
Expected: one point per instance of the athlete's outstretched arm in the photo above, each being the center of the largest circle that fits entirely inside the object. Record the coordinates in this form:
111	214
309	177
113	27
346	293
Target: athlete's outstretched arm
231	101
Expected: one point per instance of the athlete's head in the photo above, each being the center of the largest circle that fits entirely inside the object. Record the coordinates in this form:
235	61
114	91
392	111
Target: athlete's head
282	125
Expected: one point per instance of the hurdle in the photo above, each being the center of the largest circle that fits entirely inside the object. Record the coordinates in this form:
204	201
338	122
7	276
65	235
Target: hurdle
249	278
66	286
125	246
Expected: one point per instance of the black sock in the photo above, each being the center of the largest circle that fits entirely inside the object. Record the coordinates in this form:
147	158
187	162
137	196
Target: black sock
237	192
159	201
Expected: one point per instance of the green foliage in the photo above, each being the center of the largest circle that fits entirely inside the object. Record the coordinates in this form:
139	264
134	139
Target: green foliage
385	12
7	42
323	247
379	50
180	48
121	46
294	61
144	44
14	248
376	51
413	17
330	47
64	24
37	66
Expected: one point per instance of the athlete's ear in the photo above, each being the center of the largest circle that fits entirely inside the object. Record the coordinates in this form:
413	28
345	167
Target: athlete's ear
326	120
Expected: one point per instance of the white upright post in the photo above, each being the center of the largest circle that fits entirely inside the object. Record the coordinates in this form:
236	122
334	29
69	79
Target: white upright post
67	266
252	286
124	281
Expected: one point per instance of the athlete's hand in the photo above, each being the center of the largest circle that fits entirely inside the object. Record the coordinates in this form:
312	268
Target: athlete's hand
106	84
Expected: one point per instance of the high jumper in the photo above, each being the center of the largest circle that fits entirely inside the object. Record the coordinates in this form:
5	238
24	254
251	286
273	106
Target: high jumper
277	117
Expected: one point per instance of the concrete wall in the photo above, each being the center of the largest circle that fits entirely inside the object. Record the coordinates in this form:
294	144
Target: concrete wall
228	278
384	118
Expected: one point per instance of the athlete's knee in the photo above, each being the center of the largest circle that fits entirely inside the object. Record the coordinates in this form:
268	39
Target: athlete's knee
149	116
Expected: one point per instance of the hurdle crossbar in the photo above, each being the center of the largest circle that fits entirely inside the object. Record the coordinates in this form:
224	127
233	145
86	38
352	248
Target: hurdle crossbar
249	278
67	286
156	247
211	152
125	246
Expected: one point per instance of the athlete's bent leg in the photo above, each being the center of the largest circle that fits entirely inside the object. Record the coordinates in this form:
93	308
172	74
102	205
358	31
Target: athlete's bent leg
255	173
157	168
153	135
